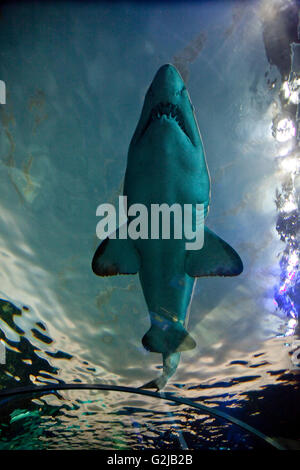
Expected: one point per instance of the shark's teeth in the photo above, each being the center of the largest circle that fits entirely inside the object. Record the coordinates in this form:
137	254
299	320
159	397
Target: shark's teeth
171	111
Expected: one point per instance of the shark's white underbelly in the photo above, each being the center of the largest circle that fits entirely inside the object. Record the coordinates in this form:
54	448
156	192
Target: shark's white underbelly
166	286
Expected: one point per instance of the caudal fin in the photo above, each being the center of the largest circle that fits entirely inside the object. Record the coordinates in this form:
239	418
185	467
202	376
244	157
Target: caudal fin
168	339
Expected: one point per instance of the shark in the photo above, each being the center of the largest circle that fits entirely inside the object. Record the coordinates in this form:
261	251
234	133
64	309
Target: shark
166	164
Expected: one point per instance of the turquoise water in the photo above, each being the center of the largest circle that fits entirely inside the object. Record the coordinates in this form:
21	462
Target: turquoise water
76	75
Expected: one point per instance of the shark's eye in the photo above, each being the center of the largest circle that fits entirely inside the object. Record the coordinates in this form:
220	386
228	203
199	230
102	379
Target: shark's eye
180	92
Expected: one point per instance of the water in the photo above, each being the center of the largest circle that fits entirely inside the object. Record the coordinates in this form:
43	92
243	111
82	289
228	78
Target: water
75	76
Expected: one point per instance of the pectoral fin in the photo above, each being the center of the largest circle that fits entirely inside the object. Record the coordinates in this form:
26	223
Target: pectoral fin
216	258
115	256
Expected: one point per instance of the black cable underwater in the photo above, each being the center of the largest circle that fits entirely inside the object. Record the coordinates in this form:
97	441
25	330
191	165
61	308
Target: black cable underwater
140	391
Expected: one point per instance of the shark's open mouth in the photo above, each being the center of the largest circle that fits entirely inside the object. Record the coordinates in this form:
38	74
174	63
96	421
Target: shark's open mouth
171	111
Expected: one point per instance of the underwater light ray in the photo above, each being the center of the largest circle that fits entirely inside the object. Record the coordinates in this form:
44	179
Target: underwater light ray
160	395
285	55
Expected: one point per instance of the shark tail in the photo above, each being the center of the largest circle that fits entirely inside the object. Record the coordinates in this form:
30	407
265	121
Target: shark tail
168	339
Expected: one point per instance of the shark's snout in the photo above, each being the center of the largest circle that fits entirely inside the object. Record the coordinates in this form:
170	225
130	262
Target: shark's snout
167	101
164	100
167	82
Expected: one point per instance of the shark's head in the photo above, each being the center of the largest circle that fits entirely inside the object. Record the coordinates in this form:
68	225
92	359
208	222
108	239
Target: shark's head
168	110
167	145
